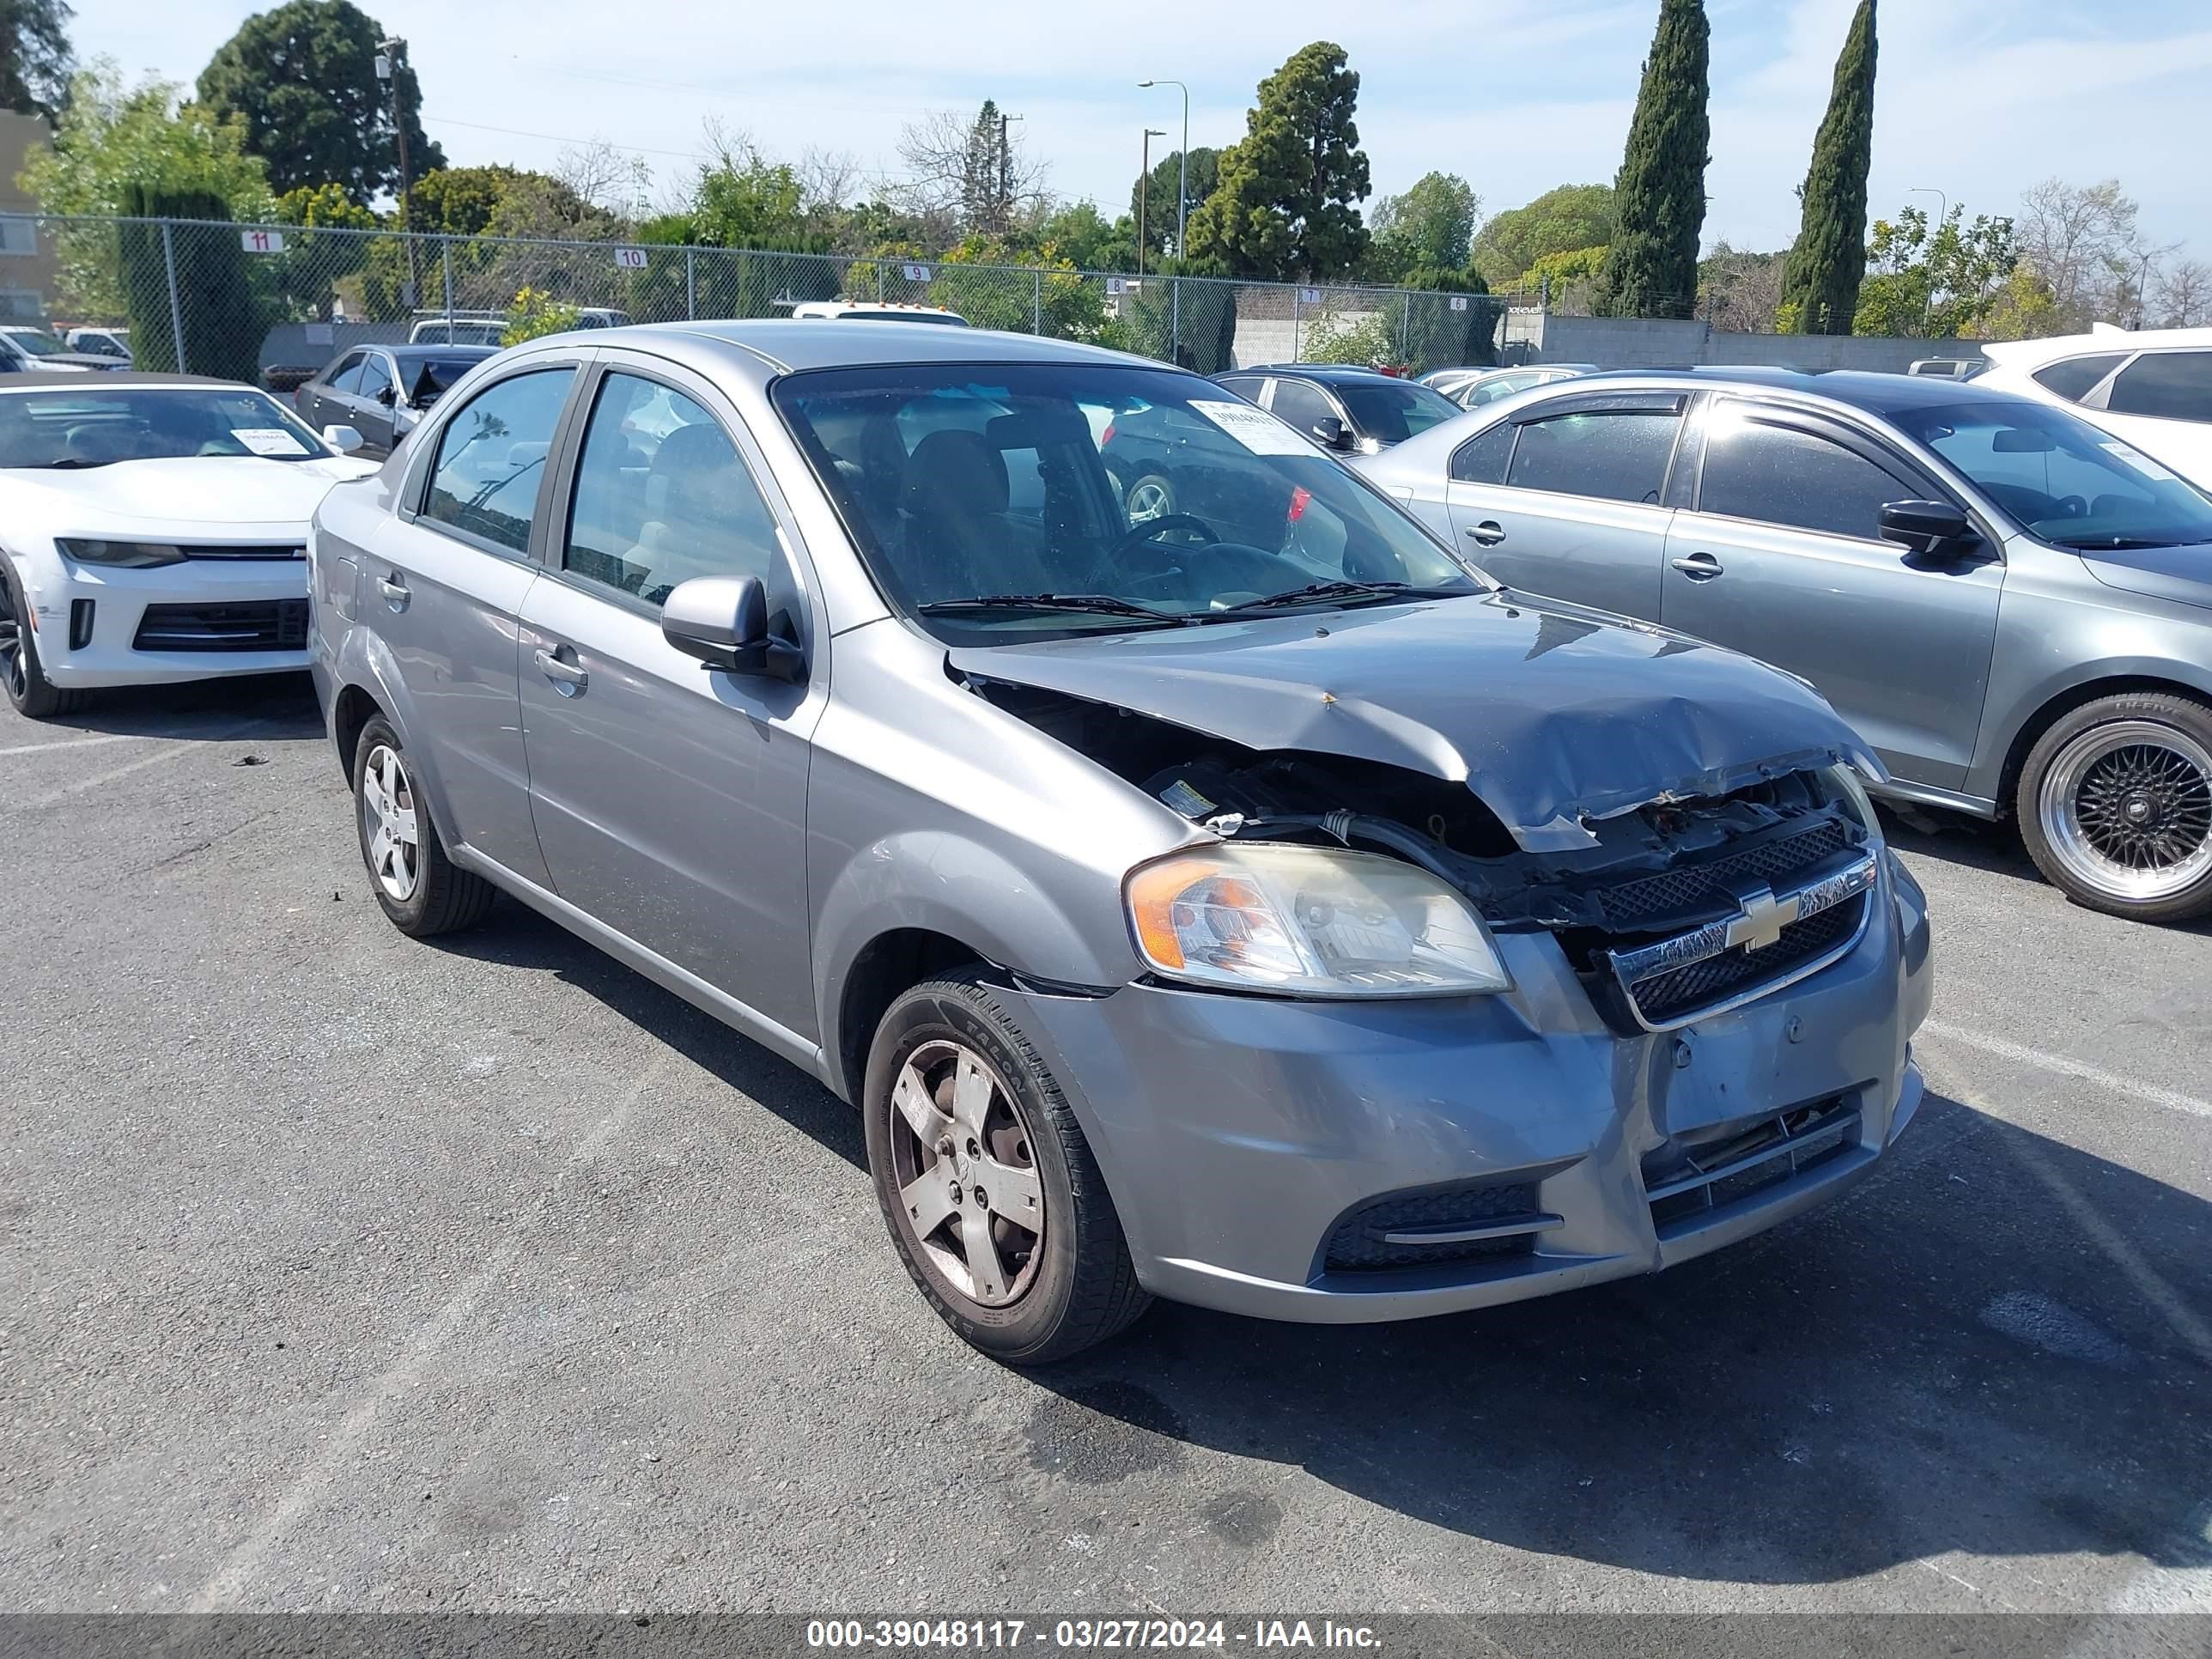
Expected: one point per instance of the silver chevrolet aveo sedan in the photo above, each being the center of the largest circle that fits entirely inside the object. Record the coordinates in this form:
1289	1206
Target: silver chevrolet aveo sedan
1253	906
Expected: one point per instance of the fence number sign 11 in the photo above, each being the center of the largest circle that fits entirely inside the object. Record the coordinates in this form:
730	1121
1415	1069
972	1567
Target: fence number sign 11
262	241
630	259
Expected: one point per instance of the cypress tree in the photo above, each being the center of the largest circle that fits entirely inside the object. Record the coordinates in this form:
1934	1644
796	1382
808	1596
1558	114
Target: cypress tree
1821	284
1659	197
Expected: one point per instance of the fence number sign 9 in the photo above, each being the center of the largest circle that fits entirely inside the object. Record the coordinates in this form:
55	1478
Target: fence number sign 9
630	259
262	241
916	273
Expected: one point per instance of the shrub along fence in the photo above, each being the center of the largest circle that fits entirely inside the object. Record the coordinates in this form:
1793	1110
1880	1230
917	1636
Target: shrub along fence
209	295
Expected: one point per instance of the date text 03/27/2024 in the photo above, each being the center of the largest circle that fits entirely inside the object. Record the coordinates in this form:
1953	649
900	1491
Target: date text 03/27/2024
1085	1634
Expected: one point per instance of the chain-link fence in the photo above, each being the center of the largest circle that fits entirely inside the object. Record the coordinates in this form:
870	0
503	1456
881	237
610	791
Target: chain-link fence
275	302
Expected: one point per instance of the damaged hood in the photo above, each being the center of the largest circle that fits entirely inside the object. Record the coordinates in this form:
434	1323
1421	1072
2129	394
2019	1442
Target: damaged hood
1549	713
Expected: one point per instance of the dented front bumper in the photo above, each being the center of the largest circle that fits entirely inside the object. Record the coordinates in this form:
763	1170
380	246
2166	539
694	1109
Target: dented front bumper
1264	1154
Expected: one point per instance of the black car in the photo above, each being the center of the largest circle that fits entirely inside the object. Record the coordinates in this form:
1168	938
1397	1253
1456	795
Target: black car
1340	406
381	391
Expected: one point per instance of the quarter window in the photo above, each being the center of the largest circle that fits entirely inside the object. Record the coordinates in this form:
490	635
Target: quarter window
2075	379
662	496
1778	475
2174	385
1608	455
1482	459
491	458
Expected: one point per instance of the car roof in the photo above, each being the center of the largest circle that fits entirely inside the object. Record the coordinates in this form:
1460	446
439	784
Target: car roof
116	378
1315	371
414	348
1876	394
788	345
2098	341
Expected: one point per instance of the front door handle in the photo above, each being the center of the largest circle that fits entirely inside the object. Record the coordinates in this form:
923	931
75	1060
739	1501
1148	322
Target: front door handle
395	591
1488	533
1699	567
569	678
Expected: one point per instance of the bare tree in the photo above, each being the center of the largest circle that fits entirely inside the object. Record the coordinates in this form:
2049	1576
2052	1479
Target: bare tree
2184	295
617	181
974	167
2080	240
1742	290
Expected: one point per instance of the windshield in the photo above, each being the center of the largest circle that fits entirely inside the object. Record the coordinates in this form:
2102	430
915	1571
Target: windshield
2066	481
37	342
1128	497
71	429
1393	410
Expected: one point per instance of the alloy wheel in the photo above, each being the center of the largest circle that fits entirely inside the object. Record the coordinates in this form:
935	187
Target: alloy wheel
390	830
968	1185
1149	499
2127	807
15	673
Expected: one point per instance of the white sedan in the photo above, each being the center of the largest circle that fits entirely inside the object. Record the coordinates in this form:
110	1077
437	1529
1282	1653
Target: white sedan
153	528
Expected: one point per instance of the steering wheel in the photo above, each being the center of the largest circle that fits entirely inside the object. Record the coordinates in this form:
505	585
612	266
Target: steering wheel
1145	529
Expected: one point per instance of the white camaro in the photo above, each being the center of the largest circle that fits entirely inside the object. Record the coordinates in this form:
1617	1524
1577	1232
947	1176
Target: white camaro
153	528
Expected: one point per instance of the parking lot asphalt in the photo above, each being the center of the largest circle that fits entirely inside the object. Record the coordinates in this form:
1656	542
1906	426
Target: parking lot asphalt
344	1271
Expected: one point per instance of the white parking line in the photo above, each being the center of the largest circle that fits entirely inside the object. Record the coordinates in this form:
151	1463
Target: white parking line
78	743
172	747
2020	1054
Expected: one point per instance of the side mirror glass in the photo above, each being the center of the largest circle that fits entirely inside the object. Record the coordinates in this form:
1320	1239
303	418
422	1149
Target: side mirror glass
723	622
344	439
1926	526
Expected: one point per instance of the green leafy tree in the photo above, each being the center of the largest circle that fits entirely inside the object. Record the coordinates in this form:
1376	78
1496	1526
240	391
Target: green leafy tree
458	201
535	313
1287	201
1821	284
1427	228
114	138
745	200
197	285
1934	282
1659	206
1082	235
1559	221
317	262
35	58
303	79
1157	190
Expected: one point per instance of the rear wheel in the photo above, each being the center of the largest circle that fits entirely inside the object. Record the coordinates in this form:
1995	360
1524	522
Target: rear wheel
2115	805
421	889
29	692
989	1190
1150	495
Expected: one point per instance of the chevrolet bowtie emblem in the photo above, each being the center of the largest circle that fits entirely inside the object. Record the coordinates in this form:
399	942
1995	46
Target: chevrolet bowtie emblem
1762	919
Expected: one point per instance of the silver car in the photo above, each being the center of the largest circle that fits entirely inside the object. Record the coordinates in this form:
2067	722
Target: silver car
1291	923
2013	608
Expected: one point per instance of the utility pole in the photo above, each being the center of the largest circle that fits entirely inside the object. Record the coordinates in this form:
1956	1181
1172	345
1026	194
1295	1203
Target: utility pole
1145	190
1005	214
388	56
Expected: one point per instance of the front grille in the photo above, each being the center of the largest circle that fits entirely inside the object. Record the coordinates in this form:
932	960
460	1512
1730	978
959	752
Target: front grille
1671	995
1773	861
1384	1234
255	625
243	551
1685	1181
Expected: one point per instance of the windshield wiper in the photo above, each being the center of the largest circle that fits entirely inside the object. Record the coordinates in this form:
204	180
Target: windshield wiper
1317	592
72	463
1103	604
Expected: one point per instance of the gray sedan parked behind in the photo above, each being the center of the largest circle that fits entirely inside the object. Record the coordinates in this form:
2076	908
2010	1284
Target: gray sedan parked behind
1293	924
2012	607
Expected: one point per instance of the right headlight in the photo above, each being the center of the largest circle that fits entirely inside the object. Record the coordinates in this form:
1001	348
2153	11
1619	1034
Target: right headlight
1846	781
132	554
1315	922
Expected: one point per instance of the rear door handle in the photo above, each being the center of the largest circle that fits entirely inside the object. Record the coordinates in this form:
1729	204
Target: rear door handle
1488	533
569	678
395	591
1699	567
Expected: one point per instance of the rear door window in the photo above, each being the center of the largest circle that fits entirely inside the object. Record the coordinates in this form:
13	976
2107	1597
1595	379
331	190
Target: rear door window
346	377
1610	455
491	458
2174	385
1482	459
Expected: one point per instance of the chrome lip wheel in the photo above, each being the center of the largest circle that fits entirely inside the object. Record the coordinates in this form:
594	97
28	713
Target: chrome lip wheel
14	675
1149	500
2128	808
389	829
968	1185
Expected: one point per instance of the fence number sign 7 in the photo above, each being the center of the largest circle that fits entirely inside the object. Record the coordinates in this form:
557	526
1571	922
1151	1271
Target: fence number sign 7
630	259
262	241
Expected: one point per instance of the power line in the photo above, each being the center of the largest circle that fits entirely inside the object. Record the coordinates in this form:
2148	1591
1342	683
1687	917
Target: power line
563	138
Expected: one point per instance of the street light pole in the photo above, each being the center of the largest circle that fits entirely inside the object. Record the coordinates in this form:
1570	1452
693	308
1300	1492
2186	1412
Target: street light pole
1182	208
387	70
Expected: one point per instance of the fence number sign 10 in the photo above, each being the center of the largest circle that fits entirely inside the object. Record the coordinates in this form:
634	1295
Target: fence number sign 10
630	259
262	241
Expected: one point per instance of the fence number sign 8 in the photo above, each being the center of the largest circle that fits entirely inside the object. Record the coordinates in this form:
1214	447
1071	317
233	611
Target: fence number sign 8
630	259
262	241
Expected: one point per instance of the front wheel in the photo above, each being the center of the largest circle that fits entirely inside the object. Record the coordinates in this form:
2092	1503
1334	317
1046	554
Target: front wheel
989	1190
30	693
2115	805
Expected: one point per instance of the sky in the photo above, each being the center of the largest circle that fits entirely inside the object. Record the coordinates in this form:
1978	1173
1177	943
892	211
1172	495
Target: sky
1977	99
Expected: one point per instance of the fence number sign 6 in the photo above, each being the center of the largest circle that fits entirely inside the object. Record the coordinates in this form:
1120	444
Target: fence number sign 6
262	241
630	259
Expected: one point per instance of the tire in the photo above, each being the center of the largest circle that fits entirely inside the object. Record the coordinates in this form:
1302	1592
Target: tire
2115	803
421	890
1072	1285
1149	495
29	692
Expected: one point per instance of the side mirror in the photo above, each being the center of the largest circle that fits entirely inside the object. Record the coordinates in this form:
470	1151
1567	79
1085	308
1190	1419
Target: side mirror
1332	434
344	439
1926	528
723	622
388	395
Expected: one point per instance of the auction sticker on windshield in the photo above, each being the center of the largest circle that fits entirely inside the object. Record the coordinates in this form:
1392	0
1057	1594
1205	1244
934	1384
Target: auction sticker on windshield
268	440
2137	459
1256	430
